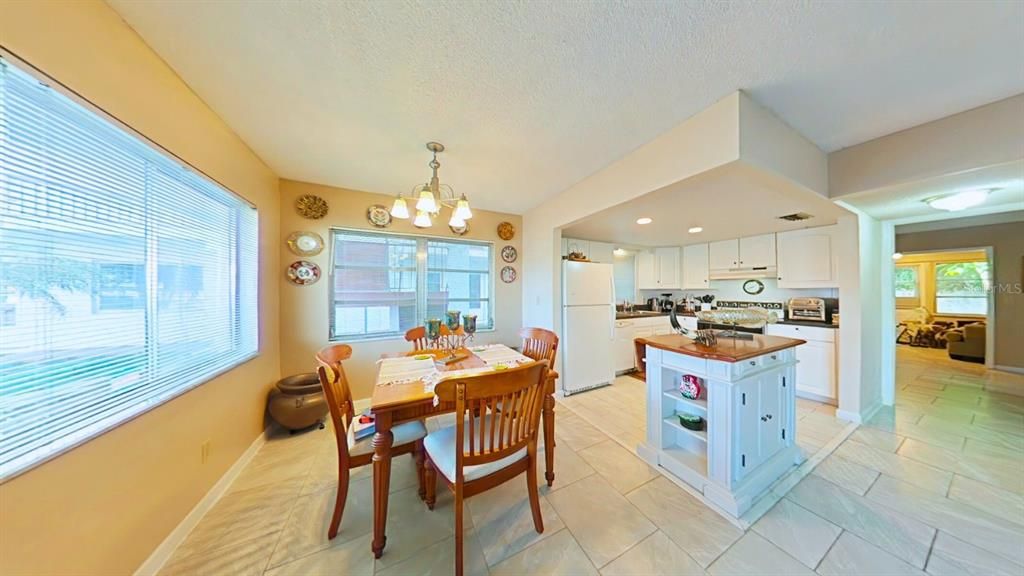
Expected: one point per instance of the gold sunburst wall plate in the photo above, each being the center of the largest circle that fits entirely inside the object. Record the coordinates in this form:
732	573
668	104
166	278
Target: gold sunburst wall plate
311	206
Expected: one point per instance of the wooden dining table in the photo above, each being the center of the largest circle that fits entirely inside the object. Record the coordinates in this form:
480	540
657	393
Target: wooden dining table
393	404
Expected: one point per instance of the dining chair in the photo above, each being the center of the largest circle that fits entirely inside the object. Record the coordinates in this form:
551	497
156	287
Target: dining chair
485	447
408	437
418	335
541	344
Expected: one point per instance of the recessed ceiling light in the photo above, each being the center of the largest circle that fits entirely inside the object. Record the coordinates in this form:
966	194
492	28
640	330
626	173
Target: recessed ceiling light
619	252
897	255
695	230
643	221
960	200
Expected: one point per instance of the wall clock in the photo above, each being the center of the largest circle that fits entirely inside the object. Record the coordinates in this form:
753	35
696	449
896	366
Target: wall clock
303	273
506	231
508	274
378	215
753	287
509	254
311	206
305	243
459	230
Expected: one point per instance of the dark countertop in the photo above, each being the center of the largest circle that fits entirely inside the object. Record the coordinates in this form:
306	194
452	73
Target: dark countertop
726	350
620	315
810	323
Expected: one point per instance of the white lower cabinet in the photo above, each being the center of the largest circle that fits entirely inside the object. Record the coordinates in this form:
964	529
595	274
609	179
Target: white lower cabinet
816	367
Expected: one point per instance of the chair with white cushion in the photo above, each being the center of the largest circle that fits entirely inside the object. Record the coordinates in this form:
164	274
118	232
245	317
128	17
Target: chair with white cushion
486	448
408	437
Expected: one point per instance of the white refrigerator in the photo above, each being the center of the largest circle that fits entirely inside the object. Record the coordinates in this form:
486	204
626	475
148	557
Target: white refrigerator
588	326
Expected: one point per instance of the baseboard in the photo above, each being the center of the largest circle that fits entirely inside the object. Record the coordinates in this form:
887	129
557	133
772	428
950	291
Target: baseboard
163	552
859	417
1012	369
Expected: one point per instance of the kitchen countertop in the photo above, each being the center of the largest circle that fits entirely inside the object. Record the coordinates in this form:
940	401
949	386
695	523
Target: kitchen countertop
726	350
619	315
810	323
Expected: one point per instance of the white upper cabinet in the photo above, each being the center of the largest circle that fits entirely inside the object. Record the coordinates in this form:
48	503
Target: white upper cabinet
757	251
601	252
695	267
724	254
668	267
646	271
806	258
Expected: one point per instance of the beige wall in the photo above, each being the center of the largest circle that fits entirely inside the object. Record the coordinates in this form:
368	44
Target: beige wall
305	310
103	507
925	263
1007	242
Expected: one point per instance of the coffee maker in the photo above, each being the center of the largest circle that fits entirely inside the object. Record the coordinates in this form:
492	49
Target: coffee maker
666	303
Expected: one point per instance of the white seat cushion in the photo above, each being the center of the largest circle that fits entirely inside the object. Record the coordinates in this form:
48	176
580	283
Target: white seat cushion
440	445
404	433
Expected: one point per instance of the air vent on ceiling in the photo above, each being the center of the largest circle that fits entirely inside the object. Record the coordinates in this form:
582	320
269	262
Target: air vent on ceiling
796	217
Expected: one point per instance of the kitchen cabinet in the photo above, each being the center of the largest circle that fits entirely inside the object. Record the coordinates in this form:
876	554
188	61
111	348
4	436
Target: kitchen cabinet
658	269
757	251
806	258
817	377
695	267
724	254
759	404
601	252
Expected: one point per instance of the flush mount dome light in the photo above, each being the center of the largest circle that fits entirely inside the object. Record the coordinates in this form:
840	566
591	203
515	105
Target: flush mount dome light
643	221
619	252
959	200
695	230
897	255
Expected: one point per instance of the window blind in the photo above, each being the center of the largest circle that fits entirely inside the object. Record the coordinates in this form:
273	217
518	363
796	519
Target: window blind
125	278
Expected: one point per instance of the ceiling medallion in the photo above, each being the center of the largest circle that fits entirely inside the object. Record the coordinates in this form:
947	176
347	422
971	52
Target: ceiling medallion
311	206
431	196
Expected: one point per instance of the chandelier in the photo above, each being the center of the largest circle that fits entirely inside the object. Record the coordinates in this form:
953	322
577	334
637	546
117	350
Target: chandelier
430	196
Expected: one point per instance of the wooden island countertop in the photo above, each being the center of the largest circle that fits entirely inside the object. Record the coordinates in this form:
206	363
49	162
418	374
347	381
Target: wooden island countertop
726	350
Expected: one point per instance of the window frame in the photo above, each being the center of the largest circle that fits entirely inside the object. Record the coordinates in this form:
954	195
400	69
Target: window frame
421	280
935	290
910	301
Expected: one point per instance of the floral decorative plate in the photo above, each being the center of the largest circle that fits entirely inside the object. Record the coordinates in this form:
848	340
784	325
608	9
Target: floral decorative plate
303	273
460	230
379	216
311	206
508	274
305	243
506	231
509	254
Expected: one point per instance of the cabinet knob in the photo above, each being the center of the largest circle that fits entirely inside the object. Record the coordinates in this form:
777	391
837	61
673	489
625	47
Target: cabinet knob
753	363
764	419
769	416
774	357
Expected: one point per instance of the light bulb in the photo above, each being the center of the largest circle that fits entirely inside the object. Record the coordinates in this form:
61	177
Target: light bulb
462	210
400	209
422	219
426	202
455	221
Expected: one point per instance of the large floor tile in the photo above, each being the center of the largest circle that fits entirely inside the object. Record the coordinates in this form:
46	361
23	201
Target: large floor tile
897	466
576	432
1008	440
694	527
439	559
798	532
247	558
965	522
938	436
852	555
657	554
850	475
503	521
903	536
569	467
603	522
752	555
621	468
995	501
305	530
989	469
560	554
876	438
412	527
954	557
352	558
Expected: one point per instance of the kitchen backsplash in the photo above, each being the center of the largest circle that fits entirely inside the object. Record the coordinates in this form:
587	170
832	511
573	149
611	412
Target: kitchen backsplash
733	290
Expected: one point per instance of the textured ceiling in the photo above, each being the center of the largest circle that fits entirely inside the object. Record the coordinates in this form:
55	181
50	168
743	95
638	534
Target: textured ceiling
531	97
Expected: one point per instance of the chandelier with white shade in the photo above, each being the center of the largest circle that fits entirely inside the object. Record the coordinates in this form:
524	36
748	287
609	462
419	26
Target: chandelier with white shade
431	196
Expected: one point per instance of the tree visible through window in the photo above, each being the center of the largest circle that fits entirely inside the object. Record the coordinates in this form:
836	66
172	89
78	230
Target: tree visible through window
962	288
907	286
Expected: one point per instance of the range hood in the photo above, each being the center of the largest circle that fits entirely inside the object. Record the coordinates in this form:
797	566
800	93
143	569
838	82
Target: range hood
743	273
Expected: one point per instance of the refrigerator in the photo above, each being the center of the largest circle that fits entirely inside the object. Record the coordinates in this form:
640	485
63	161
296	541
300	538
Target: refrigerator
588	326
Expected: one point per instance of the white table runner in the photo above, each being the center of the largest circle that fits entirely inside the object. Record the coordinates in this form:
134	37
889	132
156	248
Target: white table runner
404	369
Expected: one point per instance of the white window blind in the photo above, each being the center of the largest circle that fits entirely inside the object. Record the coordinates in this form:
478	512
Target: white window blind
384	284
125	279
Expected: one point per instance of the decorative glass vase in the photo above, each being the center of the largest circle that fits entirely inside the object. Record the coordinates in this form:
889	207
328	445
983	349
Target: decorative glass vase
469	323
434	328
453	320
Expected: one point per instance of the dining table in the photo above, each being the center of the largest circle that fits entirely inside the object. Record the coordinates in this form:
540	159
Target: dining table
403	400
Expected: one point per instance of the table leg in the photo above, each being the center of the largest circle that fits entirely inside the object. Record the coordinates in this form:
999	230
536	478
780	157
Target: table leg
549	438
382	442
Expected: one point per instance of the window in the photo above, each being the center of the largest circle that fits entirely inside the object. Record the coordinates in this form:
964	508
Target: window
961	288
384	284
125	278
908	286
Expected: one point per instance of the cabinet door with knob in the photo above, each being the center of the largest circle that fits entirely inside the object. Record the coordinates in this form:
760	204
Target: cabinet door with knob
772	418
757	251
695	267
746	427
724	254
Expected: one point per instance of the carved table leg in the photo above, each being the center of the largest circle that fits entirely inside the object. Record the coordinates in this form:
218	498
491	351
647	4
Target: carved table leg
382	442
549	438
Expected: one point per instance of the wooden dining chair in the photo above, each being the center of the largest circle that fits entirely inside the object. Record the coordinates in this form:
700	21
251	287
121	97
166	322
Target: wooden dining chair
408	437
541	344
486	448
417	336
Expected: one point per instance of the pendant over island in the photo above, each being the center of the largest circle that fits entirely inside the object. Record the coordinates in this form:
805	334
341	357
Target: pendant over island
745	393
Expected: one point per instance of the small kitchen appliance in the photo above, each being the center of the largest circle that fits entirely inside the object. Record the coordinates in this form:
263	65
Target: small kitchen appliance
811	309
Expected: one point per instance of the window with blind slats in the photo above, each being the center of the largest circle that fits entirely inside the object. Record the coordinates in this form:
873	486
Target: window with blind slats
384	284
125	278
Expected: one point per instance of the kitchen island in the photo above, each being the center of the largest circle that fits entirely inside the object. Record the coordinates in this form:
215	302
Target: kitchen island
747	401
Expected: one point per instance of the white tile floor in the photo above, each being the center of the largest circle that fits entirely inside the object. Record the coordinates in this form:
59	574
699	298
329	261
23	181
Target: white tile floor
934	485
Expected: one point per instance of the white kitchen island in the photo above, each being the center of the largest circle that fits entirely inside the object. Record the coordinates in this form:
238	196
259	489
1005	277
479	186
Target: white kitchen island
748	403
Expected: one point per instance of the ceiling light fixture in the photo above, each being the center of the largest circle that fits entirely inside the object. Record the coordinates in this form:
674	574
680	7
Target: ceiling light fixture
960	200
619	252
642	221
431	196
695	230
897	255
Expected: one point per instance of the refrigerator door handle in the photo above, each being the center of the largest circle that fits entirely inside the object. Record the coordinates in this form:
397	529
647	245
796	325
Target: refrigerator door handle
611	281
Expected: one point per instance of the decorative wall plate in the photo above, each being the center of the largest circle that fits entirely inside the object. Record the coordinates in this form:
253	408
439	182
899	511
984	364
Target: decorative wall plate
506	231
311	206
460	230
303	273
305	243
378	215
508	274
509	254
